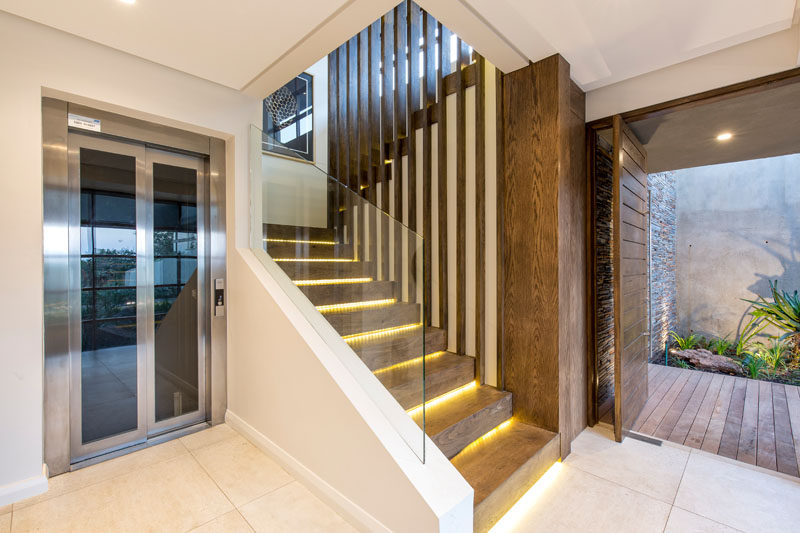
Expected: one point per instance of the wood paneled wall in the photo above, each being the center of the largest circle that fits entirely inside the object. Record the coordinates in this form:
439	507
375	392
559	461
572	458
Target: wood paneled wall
391	139
545	246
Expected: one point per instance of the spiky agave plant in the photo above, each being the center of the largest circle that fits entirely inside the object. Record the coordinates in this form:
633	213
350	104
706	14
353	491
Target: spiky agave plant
783	312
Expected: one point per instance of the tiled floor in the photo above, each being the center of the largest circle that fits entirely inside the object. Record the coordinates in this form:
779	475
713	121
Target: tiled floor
209	481
639	487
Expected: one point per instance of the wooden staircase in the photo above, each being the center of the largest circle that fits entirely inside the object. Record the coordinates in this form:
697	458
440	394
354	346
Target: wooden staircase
472	424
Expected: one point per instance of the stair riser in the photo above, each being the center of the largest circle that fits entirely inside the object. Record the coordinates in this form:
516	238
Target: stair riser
458	436
288	249
354	292
324	270
277	231
374	319
409	394
494	506
402	348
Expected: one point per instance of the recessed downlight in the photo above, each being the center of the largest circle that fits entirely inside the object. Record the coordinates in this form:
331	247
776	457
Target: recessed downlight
129	2
725	136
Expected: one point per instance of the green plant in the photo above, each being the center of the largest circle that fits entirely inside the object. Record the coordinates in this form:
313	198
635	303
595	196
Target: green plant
680	363
685	343
750	330
773	355
720	345
753	365
783	312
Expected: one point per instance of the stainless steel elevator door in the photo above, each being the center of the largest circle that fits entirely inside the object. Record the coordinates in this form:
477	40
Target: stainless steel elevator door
137	288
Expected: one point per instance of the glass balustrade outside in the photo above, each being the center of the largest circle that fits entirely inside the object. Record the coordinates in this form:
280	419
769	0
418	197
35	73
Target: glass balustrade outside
360	268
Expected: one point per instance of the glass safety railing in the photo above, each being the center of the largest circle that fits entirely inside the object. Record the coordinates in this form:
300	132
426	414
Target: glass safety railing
359	268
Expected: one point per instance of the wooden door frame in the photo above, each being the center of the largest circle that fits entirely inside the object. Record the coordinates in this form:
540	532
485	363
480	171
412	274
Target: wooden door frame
743	88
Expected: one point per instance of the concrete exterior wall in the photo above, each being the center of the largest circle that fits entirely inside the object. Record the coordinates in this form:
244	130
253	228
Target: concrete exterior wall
663	288
738	226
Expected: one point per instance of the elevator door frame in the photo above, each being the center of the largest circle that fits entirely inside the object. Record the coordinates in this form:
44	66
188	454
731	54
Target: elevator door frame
57	364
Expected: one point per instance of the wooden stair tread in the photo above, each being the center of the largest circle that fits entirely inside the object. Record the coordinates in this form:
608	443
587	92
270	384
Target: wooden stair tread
349	292
297	270
460	419
386	351
488	464
443	373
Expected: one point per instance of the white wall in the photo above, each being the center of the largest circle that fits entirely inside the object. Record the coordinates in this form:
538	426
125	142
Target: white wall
760	57
295	193
36	59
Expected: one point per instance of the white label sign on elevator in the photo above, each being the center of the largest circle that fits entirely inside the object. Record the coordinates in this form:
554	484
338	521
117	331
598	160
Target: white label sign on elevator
84	123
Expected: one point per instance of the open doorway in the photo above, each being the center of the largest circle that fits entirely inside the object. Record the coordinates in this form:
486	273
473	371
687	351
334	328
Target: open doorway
722	232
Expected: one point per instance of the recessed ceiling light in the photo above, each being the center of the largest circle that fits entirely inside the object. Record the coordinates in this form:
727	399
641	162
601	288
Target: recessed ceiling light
726	136
128	1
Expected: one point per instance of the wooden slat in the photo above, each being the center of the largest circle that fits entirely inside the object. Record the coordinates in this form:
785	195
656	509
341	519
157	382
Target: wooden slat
687	418
713	436
413	101
461	208
400	126
429	100
500	223
668	377
765	452
341	122
375	161
480	220
729	443
444	69
786	458
700	423
333	113
363	114
793	404
352	113
748	438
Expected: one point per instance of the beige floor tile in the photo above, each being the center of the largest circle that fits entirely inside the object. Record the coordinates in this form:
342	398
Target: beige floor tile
71	481
209	436
578	501
230	522
5	523
681	521
739	497
649	469
293	508
174	495
241	470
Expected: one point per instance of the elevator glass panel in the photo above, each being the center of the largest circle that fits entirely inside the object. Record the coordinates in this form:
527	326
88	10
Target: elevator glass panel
108	373
175	290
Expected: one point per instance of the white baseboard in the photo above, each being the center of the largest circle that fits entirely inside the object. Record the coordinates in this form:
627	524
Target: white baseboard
344	506
25	488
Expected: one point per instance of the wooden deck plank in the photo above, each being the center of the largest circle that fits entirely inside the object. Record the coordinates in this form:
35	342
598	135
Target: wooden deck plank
676	409
748	439
765	450
793	403
697	431
713	435
657	389
784	445
729	445
652	422
684	423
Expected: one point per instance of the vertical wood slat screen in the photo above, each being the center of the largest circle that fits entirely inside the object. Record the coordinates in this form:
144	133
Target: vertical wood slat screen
389	89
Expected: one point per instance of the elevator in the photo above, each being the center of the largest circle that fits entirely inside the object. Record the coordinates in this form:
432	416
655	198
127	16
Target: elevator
134	242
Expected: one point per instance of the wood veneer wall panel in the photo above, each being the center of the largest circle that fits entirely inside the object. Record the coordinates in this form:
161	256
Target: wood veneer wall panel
400	124
414	34
533	124
441	190
500	229
461	203
429	101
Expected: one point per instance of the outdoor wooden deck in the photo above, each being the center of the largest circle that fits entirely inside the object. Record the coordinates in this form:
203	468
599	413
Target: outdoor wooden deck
752	421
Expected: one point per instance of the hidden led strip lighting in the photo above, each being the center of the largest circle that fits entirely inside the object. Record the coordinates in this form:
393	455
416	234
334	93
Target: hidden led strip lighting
444	397
356	306
306	260
293	241
379	333
409	363
342	281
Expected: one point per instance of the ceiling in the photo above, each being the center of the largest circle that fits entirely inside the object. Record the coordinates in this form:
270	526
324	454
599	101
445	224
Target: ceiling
254	45
608	41
763	124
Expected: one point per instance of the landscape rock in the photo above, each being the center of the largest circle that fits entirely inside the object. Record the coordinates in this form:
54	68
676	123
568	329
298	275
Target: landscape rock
705	360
